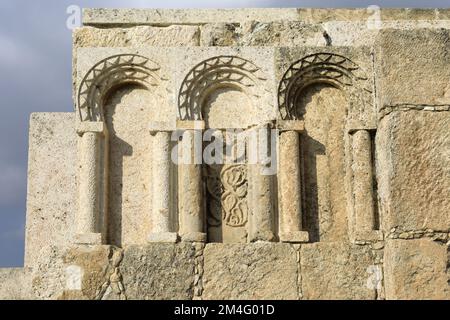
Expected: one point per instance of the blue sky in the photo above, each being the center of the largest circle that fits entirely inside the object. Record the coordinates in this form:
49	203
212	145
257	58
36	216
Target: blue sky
35	76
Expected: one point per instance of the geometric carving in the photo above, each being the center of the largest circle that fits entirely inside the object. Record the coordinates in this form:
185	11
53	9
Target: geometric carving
227	189
221	71
329	68
111	73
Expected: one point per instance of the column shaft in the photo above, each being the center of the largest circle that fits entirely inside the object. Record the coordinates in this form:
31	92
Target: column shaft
363	182
192	220
161	183
290	193
89	183
289	180
260	188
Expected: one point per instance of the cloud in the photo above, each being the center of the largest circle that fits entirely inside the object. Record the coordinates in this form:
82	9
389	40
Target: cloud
12	184
14	52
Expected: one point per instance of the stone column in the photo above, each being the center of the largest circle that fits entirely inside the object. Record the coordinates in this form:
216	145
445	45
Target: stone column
89	217
363	182
260	187
190	182
289	180
161	195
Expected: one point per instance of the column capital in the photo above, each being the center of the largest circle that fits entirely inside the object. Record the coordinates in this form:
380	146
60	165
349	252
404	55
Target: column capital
191	125
91	126
291	125
161	126
356	125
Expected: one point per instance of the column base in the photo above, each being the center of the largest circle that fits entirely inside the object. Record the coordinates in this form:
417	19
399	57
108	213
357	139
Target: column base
93	239
163	237
369	236
295	237
194	237
263	236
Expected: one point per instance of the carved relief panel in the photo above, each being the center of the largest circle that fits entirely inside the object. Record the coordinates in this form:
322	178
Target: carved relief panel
227	92
227	206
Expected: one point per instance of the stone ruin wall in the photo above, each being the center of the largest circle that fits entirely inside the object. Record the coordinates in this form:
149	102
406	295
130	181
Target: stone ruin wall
359	208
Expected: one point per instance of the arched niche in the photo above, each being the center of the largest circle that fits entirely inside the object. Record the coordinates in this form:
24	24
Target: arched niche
226	92
123	92
325	91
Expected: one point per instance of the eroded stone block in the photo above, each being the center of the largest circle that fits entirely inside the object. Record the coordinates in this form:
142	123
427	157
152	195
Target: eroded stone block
412	66
416	269
52	182
159	272
413	169
15	284
337	271
74	272
250	271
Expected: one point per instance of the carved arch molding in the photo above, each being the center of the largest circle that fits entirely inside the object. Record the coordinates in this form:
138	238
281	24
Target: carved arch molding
330	68
218	72
108	74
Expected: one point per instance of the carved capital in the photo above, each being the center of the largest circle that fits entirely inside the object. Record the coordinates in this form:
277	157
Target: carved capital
91	126
191	125
161	126
291	125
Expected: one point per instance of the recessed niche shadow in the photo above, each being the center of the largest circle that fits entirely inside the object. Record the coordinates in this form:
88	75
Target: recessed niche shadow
323	108
127	114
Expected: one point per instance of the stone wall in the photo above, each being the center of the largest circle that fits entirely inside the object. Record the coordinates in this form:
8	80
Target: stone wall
358	209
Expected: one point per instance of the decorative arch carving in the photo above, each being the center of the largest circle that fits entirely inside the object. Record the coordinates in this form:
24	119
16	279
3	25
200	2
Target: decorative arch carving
329	68
108	74
216	72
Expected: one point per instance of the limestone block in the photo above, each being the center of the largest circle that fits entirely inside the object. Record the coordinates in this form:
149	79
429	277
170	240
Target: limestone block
104	17
412	66
159	271
52	187
171	36
15	284
258	33
416	269
413	170
336	271
250	271
74	273
156	17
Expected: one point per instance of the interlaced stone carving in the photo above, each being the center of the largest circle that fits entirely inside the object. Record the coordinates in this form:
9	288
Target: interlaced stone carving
216	72
330	68
108	74
227	188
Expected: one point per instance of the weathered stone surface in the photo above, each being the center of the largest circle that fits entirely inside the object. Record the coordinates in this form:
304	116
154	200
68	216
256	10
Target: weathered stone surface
284	34
413	167
159	272
416	269
336	271
412	66
75	273
52	172
250	271
201	16
15	284
136	37
184	16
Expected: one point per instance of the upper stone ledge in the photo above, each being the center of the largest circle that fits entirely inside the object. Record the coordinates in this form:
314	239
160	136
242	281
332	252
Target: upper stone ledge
108	17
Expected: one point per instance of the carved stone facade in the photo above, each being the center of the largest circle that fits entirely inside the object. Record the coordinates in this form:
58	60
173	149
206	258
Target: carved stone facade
245	154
